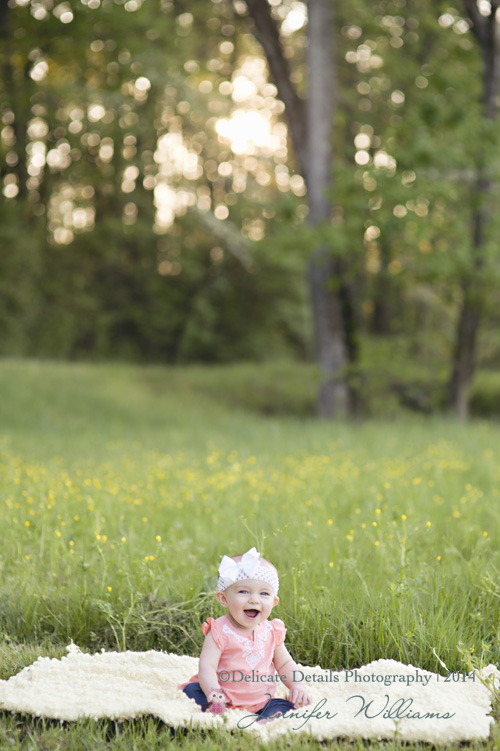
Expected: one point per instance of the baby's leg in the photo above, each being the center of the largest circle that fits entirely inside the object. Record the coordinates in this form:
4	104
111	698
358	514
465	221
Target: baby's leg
274	707
193	690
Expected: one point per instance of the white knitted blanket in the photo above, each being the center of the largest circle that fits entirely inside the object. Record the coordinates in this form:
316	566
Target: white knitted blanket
382	700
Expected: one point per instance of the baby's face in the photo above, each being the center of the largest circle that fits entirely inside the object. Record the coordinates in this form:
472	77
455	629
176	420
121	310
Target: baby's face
249	602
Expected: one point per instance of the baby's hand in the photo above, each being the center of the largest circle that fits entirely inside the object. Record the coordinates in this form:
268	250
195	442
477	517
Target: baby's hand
217	701
298	696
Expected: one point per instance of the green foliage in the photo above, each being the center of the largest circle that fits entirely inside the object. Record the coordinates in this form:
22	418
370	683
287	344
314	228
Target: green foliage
113	283
420	144
20	271
485	395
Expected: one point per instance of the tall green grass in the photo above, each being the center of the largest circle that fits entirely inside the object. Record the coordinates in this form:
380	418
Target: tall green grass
121	487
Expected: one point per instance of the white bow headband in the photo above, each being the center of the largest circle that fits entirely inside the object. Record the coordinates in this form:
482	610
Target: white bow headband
247	568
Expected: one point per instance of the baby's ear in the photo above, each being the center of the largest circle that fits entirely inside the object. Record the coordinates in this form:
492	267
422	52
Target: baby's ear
221	597
276	600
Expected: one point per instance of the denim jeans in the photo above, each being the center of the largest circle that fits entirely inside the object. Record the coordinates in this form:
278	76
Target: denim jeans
193	690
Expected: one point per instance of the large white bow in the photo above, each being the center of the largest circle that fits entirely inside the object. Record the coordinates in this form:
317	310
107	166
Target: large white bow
229	570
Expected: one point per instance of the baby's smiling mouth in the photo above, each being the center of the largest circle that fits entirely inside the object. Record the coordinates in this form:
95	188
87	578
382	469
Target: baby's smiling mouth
251	613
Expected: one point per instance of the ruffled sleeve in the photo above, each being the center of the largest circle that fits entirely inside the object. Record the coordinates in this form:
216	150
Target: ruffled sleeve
279	630
212	625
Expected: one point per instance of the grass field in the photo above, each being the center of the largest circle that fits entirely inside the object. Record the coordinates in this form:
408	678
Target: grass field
121	487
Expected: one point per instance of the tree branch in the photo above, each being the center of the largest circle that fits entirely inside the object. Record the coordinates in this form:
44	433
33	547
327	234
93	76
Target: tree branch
478	21
267	34
486	30
228	234
4	11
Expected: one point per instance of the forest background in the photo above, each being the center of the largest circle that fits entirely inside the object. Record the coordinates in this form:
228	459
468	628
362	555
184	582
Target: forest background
154	208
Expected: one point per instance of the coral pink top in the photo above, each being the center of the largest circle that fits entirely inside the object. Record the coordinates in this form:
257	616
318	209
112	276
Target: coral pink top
246	656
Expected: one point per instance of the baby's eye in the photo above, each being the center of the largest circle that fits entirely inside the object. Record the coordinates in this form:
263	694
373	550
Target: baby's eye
265	594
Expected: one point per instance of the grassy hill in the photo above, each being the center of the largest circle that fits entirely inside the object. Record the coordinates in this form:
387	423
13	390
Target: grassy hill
122	486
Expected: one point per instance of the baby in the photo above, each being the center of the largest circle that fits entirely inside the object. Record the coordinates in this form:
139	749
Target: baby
243	649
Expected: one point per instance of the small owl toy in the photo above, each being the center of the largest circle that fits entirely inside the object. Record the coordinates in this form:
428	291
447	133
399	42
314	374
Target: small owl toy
219	703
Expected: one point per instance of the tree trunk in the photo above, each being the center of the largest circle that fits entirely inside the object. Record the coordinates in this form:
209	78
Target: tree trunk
311	130
486	30
267	34
470	315
464	356
333	396
324	269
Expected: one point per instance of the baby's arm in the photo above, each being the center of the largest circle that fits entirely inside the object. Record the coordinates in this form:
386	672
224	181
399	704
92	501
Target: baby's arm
285	665
207	669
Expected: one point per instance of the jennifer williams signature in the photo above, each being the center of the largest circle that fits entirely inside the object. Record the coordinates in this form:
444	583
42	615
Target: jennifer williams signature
400	709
